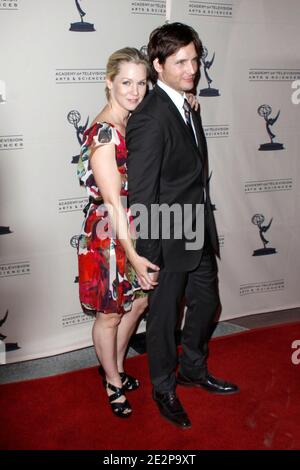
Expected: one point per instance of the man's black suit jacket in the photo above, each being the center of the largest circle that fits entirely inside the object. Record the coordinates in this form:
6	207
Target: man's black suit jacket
166	166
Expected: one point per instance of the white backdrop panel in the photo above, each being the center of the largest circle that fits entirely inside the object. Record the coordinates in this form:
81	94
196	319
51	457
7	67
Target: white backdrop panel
49	71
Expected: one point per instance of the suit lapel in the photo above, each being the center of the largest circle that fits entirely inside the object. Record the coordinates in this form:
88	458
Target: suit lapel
201	149
183	125
176	114
200	135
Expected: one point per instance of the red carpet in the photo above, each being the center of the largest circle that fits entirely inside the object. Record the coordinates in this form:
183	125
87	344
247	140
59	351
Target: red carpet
69	411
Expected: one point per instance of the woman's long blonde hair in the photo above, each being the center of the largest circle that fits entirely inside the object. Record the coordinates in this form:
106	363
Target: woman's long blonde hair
127	54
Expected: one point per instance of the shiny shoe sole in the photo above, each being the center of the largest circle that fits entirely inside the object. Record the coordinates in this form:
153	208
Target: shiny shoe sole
190	385
175	424
125	416
171	421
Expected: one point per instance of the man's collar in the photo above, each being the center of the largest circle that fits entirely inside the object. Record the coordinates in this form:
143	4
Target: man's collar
175	96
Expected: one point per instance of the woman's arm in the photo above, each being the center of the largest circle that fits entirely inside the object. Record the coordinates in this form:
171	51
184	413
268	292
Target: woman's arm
145	144
108	180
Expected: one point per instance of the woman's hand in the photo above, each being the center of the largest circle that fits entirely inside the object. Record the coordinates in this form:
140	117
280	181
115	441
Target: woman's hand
146	280
193	101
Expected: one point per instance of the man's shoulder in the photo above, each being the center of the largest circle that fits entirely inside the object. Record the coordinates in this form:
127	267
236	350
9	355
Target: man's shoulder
151	104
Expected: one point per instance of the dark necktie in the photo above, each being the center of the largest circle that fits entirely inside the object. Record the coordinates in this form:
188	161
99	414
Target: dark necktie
188	120
187	113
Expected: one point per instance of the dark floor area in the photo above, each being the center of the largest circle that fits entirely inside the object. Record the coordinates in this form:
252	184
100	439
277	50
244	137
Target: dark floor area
86	357
267	319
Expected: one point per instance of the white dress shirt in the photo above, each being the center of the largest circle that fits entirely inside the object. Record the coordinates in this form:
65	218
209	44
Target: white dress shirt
178	100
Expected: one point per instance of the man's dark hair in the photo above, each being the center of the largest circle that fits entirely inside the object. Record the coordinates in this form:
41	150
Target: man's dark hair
167	40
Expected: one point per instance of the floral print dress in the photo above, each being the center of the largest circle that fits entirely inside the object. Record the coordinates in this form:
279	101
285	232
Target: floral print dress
107	281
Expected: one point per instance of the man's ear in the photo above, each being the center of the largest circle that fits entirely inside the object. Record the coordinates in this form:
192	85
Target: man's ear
157	66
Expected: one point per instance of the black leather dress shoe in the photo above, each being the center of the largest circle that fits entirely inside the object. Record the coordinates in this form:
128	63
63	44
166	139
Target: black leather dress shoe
209	383
171	409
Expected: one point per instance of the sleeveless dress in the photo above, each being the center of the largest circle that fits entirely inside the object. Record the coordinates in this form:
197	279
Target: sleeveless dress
107	281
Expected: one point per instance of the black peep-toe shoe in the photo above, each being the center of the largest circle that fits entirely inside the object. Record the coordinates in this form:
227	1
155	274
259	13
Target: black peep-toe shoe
129	383
123	409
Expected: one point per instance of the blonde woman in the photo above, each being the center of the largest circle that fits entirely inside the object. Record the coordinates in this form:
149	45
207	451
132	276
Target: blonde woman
111	273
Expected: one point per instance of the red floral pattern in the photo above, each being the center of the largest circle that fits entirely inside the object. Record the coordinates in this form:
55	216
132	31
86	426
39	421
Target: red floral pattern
107	283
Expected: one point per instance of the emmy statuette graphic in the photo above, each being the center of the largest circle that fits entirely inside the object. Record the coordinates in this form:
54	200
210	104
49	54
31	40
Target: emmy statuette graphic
258	220
74	118
4	230
74	244
144	51
264	111
81	26
8	346
206	65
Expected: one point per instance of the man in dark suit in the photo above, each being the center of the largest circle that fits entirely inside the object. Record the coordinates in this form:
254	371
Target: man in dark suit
167	168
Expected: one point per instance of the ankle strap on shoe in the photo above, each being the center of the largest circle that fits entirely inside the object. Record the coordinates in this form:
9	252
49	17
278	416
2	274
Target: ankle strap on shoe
119	391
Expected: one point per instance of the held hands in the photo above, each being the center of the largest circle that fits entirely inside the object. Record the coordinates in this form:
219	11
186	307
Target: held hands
146	280
193	101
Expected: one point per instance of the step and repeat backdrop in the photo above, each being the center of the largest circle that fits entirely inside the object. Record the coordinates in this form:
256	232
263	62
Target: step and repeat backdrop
52	79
